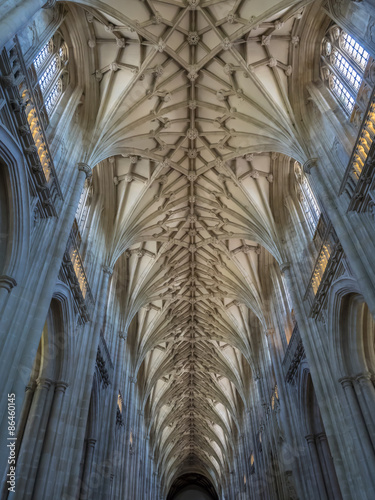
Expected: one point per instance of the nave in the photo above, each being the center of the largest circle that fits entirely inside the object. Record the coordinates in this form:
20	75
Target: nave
187	249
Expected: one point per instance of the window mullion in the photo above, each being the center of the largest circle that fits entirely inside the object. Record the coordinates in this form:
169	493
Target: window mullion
42	68
342	78
52	83
351	61
49	74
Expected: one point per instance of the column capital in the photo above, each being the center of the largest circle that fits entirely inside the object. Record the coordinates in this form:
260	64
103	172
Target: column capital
321	436
108	270
310	438
133	380
270	332
61	386
362	377
91	442
7	282
346	382
83	167
44	383
309	164
31	386
284	266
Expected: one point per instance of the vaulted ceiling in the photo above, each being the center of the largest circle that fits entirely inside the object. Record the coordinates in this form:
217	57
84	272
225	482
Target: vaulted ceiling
193	116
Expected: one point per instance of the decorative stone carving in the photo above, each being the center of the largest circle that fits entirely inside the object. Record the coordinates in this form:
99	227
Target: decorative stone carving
157	19
98	75
272	63
266	39
192	133
110	27
90	18
226	44
309	164
288	71
108	270
120	42
192	153
193	73
193	4
193	38
8	81
161	45
83	167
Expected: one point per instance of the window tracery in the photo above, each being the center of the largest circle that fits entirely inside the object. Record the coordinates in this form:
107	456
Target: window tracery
51	67
84	206
343	67
307	198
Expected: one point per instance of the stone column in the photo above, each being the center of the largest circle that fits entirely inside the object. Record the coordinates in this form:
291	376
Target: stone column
90	450
316	465
366	397
32	440
111	459
20	355
336	492
29	395
129	454
111	485
92	349
52	446
366	455
154	485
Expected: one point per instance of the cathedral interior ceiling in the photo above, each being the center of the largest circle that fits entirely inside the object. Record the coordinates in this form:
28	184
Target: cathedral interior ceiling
193	111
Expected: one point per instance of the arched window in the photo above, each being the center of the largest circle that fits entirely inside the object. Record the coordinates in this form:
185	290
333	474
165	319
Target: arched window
306	196
343	65
84	206
51	67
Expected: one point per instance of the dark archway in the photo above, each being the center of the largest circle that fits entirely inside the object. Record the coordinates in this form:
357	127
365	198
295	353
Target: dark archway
196	482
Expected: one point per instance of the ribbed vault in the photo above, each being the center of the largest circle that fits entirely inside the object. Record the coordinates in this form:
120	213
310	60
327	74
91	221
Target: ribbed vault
194	112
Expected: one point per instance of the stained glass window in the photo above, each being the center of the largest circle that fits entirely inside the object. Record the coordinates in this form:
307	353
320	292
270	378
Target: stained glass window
42	56
342	94
355	50
347	70
50	64
53	97
343	64
307	198
48	74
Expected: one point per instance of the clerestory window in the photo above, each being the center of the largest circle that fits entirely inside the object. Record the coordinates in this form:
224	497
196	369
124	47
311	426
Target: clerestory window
343	64
51	67
307	199
84	206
